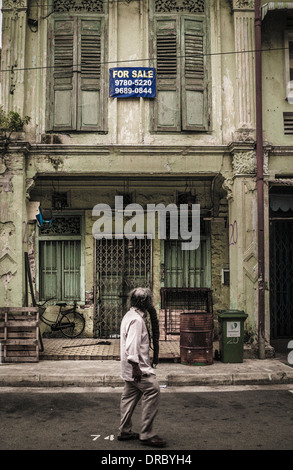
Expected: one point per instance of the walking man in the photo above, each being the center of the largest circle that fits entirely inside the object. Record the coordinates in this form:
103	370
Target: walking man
137	371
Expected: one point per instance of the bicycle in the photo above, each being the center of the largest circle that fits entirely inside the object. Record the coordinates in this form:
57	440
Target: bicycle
70	322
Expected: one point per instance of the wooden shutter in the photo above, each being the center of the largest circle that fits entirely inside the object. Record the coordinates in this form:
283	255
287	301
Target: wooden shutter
77	88
194	75
64	79
90	91
167	102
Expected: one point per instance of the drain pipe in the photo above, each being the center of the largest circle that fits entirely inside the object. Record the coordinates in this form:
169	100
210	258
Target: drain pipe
260	182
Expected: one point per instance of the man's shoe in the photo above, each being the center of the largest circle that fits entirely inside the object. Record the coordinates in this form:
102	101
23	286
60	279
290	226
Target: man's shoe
154	441
127	436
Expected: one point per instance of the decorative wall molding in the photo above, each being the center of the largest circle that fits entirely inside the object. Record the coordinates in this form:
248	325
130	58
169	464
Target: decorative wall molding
14	7
241	4
282	181
228	187
245	79
29	185
8	258
11	4
244	134
190	6
265	162
250	262
244	163
64	6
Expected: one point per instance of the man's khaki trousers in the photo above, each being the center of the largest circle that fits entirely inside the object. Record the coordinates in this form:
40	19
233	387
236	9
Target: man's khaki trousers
148	388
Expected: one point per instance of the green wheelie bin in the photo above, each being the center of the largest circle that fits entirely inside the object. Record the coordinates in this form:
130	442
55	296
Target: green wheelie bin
231	336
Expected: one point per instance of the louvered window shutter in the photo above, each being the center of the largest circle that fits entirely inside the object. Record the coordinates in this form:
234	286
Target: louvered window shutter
64	81
194	86
77	88
90	109
167	103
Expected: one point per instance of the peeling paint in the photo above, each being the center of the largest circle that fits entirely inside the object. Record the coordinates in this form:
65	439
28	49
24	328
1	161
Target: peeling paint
56	162
166	165
6	182
7	229
228	106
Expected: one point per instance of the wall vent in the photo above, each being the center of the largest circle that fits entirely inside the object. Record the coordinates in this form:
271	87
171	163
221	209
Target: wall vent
288	123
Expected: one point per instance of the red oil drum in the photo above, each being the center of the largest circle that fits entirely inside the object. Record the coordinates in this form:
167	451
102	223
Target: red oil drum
196	337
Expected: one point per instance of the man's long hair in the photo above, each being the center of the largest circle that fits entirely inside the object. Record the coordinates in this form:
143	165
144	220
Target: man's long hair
142	299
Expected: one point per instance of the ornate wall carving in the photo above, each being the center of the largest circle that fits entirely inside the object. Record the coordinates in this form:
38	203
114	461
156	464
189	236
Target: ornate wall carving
242	4
188	6
10	4
244	163
96	6
14	7
67	225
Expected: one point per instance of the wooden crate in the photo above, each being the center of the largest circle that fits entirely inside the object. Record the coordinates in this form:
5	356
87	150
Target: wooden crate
19	334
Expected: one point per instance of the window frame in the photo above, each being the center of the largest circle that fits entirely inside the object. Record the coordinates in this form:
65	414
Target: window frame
204	251
56	237
77	127
183	84
288	37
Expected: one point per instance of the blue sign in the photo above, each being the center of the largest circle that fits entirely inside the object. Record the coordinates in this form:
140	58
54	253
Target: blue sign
134	82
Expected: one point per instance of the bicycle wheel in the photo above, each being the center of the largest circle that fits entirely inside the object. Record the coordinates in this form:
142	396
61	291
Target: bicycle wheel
72	324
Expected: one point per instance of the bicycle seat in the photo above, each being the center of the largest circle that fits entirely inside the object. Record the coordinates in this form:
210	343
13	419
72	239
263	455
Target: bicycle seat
61	304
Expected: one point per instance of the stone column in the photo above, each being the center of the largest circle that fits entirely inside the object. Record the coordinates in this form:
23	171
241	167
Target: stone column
13	226
13	54
243	13
243	235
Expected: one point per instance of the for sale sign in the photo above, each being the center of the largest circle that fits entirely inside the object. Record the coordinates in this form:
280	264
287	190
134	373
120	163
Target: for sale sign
132	82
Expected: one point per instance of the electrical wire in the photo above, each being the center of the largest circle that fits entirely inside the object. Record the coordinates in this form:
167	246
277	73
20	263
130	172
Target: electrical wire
129	61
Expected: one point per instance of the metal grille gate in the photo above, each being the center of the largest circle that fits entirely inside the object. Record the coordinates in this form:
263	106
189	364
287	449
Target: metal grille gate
121	265
281	275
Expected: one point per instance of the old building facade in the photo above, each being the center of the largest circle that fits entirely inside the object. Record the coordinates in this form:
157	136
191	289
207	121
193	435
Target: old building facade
194	142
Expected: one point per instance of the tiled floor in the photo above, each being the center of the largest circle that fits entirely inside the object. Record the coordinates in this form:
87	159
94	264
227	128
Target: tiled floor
97	349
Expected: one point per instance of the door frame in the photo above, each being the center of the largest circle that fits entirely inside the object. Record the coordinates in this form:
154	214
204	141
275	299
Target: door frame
139	274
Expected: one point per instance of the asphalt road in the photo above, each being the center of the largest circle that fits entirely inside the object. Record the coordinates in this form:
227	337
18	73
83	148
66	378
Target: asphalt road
189	420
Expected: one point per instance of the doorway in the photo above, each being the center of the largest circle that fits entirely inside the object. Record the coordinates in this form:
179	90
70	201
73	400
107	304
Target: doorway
121	265
281	278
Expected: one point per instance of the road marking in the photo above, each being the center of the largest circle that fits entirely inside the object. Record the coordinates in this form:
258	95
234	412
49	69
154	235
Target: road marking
109	438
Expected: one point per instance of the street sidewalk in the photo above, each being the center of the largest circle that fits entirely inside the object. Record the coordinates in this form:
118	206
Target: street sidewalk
105	372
